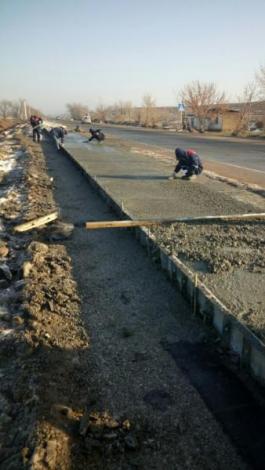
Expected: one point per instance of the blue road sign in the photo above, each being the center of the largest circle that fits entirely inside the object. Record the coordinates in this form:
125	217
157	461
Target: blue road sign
181	107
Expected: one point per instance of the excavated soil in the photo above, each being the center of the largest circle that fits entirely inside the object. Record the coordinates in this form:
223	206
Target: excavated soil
41	335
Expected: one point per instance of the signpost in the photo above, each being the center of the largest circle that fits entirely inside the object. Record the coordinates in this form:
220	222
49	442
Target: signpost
181	108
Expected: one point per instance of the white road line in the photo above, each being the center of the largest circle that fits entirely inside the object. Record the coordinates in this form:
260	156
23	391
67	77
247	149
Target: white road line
237	166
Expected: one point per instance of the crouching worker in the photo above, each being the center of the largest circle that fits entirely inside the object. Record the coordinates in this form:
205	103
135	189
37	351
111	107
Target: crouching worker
58	134
96	134
189	162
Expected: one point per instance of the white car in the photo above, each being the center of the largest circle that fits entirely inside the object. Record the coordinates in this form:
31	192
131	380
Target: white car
86	119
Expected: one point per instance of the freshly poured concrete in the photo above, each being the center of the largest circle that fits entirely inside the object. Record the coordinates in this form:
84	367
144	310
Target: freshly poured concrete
140	183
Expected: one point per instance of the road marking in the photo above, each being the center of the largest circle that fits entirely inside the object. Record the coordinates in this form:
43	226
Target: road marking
236	166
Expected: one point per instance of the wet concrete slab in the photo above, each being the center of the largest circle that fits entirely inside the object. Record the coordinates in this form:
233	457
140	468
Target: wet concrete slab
141	183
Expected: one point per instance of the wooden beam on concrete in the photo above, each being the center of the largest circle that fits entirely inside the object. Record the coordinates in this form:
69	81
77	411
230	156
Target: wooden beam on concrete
150	222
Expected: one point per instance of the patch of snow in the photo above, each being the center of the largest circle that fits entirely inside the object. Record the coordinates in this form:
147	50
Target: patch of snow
9	194
7	164
6	332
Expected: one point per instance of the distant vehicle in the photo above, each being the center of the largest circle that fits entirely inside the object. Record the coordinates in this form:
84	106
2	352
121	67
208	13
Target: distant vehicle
86	119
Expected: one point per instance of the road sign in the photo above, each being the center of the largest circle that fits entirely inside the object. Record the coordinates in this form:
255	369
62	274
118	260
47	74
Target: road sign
181	107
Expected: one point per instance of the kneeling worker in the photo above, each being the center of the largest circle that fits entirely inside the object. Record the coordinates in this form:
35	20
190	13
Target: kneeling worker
96	134
188	161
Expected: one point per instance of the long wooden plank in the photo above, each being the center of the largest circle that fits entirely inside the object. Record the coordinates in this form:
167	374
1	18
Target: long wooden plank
150	222
36	222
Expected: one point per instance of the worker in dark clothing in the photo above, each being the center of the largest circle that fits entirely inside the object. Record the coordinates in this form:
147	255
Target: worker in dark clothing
36	123
96	134
58	134
188	161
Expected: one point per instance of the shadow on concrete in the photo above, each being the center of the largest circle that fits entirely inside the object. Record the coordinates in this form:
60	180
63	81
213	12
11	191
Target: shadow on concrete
134	177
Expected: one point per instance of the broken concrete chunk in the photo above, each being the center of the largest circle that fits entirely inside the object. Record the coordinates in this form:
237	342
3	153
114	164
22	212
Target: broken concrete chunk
26	268
38	247
126	424
37	457
5	271
18	320
4	250
59	231
19	284
51	452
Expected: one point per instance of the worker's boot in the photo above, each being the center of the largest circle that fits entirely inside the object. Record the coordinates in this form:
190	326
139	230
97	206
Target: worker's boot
188	178
173	176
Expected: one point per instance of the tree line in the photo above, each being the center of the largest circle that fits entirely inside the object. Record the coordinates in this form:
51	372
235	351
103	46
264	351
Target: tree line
198	97
18	109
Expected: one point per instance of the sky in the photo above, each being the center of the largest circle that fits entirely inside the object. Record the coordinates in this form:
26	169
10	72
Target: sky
54	52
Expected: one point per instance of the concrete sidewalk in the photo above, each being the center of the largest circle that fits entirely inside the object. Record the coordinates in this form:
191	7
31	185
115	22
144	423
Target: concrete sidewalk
141	184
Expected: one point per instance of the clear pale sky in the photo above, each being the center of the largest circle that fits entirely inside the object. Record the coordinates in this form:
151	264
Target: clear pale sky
58	51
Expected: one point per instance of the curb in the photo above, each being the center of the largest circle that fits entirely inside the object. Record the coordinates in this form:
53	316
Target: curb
253	188
234	334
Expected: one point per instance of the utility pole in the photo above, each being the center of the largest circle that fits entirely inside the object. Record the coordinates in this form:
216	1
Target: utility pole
23	110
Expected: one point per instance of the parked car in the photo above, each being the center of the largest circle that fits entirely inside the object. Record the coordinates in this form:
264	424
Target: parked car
86	119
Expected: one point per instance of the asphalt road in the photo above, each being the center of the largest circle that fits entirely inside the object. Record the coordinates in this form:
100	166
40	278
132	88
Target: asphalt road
240	153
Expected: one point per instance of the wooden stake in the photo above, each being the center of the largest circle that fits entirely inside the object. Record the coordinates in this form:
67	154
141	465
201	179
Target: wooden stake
36	222
150	222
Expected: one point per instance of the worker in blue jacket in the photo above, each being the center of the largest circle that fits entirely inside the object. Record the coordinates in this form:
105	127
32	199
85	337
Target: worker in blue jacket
188	161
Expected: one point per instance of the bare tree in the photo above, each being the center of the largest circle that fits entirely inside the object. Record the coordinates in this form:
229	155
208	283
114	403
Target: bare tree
122	111
200	98
148	111
260	77
128	110
15	109
5	108
77	110
101	112
137	115
245	99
